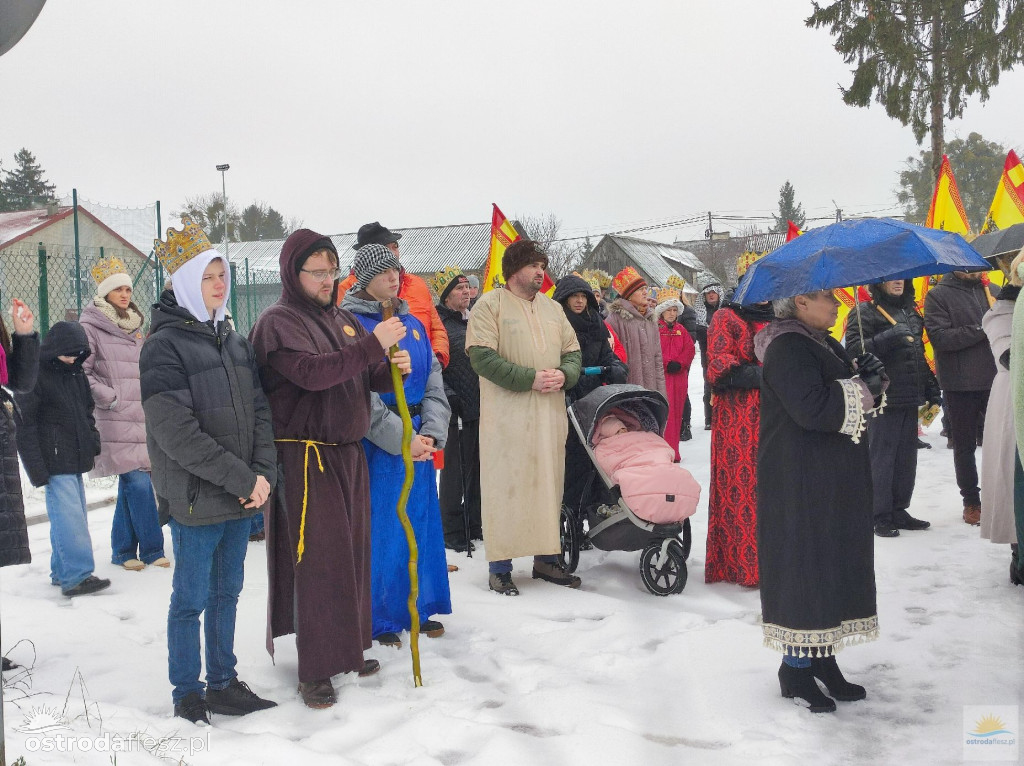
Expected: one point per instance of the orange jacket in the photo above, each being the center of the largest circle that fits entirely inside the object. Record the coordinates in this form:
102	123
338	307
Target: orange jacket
414	291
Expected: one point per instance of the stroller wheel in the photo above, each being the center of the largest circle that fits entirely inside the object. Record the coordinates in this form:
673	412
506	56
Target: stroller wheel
687	540
569	534
663	567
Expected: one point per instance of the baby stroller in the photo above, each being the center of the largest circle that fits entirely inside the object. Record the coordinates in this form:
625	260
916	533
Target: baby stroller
613	526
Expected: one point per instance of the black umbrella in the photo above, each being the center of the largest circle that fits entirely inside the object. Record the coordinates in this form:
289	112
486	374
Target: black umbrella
1002	242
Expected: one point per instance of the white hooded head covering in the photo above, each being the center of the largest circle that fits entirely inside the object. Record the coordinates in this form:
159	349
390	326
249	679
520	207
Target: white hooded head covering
187	282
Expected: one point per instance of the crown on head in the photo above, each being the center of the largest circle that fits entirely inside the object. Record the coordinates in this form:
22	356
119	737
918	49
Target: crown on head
668	294
440	281
626	281
107	267
676	281
745	261
181	246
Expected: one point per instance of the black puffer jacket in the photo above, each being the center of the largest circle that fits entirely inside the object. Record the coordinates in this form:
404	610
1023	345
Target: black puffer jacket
208	426
22	369
461	383
952	315
56	428
593	336
911	381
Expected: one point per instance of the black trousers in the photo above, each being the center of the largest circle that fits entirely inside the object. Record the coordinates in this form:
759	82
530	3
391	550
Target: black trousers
965	410
892	440
579	472
464	444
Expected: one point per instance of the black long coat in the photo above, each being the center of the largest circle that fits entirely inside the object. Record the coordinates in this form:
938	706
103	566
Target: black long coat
814	511
22	367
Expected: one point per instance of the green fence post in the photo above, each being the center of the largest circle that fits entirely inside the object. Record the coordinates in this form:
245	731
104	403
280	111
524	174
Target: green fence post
234	298
44	293
78	259
248	294
158	268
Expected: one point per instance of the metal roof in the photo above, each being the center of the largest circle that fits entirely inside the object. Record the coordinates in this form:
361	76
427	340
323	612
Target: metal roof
656	260
424	250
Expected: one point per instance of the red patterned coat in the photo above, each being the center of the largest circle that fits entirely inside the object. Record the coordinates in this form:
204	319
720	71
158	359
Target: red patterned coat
734	374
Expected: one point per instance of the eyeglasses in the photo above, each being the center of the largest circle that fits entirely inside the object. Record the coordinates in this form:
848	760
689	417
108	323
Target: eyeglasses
320	276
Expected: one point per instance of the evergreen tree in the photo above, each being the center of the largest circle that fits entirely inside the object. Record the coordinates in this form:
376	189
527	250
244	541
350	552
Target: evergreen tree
25	187
259	221
977	165
789	210
922	60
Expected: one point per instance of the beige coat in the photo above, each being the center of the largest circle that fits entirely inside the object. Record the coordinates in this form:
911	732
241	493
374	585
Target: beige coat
522	434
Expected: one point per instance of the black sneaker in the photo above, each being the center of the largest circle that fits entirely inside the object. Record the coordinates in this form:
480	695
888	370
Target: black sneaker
886	529
903	520
922	444
389	639
553	572
90	584
192	708
686	434
432	628
502	583
235	699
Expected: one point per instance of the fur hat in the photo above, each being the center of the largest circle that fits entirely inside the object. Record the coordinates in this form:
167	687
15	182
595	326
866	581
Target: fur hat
521	254
371	260
627	282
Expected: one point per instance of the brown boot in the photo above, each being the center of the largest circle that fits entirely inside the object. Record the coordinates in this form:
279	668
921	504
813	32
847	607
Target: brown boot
972	515
318	694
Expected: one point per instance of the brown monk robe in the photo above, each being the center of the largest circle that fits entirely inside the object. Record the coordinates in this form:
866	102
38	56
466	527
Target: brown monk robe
318	366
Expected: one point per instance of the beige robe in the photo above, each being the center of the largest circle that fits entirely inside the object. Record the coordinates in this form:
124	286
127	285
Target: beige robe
522	434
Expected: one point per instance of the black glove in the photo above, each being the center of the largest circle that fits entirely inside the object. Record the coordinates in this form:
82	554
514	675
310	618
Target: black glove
895	335
746	376
868	363
873	380
617	373
673	367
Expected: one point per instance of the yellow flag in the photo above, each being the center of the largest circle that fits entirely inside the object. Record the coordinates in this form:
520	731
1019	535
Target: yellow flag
503	234
1007	206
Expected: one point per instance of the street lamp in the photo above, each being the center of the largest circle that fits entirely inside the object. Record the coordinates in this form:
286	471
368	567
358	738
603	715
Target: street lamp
224	189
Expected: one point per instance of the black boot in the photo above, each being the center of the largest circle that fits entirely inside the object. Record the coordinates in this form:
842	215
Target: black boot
799	682
686	434
1015	573
826	669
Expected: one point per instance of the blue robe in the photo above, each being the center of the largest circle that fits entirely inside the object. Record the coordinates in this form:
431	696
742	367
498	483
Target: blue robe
389	551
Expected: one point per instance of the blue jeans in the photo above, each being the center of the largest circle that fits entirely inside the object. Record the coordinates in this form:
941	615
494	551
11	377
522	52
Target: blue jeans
135	533
209	566
71	560
258	524
504	566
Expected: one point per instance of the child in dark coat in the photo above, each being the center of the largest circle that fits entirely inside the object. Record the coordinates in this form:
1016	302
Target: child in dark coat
58	442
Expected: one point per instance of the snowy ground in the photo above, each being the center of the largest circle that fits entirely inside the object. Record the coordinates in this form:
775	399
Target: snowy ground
607	674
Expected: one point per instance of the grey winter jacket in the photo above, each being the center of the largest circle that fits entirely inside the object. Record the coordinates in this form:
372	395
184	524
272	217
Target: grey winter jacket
208	423
113	373
640	337
952	316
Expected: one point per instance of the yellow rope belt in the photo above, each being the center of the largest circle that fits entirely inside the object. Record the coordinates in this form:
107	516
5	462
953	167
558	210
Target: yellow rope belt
315	446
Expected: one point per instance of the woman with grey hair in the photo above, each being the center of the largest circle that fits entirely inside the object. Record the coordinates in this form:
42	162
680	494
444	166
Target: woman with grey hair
814	523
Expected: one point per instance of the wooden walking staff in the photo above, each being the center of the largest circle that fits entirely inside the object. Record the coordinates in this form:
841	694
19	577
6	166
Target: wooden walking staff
388	311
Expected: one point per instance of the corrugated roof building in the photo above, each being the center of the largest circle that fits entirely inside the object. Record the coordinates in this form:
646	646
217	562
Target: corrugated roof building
656	261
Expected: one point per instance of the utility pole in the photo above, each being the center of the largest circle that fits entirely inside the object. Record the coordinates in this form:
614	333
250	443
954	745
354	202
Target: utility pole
224	190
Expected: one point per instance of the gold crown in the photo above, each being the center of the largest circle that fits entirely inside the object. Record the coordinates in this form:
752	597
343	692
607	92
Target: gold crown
440	281
181	246
627	281
668	294
677	282
107	267
745	261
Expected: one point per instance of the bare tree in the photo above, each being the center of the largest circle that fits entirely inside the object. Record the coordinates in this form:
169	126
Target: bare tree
563	255
207	210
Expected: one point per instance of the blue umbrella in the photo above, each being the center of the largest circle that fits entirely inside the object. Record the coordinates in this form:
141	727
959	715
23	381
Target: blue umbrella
855	253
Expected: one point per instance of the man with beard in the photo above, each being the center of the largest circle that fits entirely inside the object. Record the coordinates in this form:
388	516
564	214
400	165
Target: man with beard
891	328
711	296
460	477
318	366
526	354
953	310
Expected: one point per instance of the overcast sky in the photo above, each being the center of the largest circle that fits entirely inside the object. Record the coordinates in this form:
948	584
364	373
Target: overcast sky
610	115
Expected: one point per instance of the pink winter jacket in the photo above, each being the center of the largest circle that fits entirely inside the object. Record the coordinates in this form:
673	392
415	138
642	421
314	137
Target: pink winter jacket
113	373
654	488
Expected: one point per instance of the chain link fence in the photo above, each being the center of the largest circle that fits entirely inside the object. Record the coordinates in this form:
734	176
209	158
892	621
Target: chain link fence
57	286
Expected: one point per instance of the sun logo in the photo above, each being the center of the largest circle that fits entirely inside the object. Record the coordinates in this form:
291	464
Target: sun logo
988	725
42	720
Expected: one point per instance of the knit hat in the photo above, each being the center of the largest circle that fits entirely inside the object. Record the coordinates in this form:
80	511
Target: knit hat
474	281
371	260
443	282
321	243
627	282
521	254
110	274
